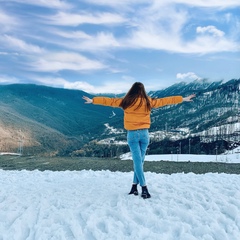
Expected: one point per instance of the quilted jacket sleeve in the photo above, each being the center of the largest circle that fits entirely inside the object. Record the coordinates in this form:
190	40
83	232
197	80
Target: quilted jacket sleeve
160	102
105	101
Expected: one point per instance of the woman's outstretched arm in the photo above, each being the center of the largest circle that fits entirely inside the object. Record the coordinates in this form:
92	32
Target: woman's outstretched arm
105	101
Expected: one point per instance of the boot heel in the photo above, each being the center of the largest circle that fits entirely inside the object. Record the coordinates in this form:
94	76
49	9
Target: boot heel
135	193
145	194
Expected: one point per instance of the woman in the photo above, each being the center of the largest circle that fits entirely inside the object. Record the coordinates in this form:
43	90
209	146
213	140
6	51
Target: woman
137	108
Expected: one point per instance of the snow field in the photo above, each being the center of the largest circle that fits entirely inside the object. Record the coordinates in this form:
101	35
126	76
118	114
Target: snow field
95	205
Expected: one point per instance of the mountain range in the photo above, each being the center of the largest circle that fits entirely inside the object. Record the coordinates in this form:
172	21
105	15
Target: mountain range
52	121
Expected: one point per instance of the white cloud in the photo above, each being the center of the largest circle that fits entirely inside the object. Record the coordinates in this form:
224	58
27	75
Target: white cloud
198	3
63	83
81	41
210	29
75	19
105	87
84	86
156	29
150	36
148	28
119	86
4	79
56	4
71	34
209	3
208	44
188	75
160	25
117	4
4	18
100	37
99	42
154	36
7	22
54	62
16	44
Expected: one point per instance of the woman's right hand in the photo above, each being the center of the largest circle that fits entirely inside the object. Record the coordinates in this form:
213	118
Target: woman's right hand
189	98
87	99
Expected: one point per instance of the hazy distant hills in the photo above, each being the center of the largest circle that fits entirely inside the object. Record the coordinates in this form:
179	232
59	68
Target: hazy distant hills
56	121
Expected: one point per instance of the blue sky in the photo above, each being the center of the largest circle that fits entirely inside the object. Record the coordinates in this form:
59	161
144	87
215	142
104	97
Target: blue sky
104	46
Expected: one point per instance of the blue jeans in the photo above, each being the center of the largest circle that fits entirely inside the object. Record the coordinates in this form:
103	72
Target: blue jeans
138	141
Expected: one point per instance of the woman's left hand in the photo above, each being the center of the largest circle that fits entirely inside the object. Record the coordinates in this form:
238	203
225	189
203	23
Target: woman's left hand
87	99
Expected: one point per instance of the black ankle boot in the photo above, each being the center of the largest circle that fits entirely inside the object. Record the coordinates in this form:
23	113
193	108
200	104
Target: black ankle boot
145	194
134	190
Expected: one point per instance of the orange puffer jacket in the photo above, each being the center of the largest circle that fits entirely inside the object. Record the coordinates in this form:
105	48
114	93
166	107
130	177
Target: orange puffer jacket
137	118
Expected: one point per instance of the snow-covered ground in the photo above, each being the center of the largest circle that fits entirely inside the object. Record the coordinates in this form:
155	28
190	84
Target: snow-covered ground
228	157
88	205
225	158
10	153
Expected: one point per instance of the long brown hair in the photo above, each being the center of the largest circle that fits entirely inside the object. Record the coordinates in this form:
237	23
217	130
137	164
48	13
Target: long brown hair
137	91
